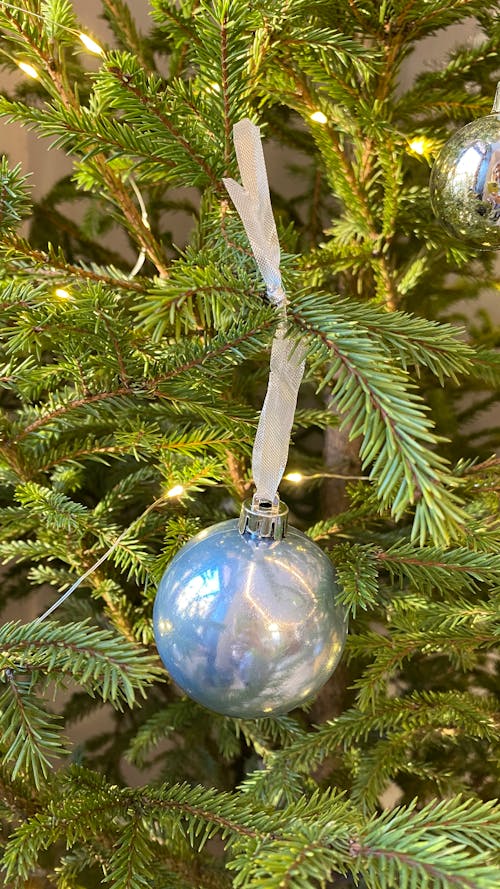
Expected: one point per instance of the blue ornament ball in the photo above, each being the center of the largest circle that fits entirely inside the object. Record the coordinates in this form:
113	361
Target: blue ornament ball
249	626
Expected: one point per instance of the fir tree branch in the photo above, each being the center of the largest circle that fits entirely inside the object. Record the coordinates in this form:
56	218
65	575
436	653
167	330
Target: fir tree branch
116	187
410	472
214	351
99	660
337	834
127	83
118	15
225	92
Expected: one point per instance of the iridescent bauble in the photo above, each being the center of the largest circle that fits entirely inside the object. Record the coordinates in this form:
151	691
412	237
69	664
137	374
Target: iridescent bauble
249	626
465	183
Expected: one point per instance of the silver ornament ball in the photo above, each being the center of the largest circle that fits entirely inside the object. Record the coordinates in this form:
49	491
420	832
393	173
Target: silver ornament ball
465	183
249	625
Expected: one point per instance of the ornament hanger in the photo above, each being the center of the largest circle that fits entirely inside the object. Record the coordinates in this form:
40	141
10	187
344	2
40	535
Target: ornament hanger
253	203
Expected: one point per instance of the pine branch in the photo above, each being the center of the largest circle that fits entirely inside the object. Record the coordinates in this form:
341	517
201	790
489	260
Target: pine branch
405	845
427	567
133	856
22	259
140	98
396	726
459	635
366	390
14	197
119	17
99	660
127	387
336	833
30	735
66	103
160	726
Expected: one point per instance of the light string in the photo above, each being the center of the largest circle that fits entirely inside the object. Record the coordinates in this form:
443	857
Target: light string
84	38
176	491
296	478
267	255
80	580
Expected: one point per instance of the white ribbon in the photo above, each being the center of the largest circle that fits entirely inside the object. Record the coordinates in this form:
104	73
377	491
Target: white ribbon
253	203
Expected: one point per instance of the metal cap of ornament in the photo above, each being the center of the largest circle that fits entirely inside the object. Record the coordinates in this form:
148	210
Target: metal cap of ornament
264	518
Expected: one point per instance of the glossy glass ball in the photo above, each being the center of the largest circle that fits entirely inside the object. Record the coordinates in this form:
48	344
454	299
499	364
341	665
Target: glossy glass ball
249	626
465	183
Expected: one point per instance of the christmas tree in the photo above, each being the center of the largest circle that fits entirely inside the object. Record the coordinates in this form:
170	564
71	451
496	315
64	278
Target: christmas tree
132	378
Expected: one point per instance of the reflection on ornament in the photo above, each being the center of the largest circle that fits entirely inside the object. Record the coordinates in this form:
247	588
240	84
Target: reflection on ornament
465	183
248	624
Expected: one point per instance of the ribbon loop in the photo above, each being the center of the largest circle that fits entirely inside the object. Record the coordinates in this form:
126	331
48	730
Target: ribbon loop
253	203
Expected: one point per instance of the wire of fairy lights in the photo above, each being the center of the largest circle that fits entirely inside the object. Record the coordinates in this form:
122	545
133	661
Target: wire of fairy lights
174	493
84	38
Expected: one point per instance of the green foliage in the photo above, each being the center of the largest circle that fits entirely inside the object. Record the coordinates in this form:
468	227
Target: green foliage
128	408
378	402
14	196
29	732
299	845
101	662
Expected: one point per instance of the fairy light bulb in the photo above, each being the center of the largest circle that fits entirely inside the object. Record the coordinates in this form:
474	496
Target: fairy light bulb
295	477
28	69
417	146
176	491
61	293
422	146
91	45
319	117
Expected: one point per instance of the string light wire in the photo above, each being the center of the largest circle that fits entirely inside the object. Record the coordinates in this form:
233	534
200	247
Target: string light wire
74	586
177	490
145	220
297	478
87	41
80	580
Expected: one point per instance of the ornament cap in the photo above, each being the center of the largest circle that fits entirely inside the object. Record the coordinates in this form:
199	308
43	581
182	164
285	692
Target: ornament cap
496	103
264	518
